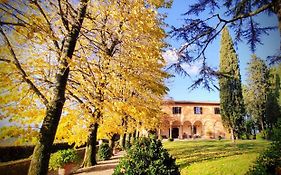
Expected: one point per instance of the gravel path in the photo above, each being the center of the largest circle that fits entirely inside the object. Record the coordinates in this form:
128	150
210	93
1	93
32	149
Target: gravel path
102	168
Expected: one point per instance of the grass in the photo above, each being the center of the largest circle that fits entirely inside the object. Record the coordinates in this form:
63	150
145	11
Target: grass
214	156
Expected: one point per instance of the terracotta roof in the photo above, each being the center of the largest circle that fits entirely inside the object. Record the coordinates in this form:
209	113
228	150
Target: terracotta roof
191	102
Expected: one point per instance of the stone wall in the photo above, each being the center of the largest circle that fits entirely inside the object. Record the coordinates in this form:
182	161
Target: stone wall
20	167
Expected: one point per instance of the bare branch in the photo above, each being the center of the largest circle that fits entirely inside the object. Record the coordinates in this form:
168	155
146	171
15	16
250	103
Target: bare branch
12	23
48	22
63	18
74	96
259	10
5	60
14	15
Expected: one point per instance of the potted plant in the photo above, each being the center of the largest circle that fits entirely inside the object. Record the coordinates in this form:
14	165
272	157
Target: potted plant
63	161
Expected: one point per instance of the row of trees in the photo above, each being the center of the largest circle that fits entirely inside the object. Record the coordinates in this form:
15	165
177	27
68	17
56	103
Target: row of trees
256	105
70	68
262	96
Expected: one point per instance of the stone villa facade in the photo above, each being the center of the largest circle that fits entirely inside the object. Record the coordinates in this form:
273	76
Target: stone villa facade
187	119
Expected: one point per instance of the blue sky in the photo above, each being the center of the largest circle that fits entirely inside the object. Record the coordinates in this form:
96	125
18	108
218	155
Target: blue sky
179	85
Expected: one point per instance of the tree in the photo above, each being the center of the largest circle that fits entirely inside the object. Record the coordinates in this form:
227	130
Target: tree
199	33
115	74
273	105
231	100
41	155
257	90
18	18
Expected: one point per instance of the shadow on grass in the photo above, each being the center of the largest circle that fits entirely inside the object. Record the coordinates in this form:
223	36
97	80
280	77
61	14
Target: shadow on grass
188	152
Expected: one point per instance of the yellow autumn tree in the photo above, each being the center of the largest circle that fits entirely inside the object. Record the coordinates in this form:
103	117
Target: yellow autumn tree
35	33
120	55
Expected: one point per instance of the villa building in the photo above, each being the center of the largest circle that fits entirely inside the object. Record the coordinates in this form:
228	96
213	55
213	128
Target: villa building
187	119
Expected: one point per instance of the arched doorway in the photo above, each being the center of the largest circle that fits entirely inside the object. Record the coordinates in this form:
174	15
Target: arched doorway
175	129
187	126
175	132
197	129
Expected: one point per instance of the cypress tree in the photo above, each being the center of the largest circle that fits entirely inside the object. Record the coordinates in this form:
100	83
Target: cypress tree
231	100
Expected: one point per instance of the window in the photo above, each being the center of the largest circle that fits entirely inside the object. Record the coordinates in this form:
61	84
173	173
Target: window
176	110
198	110
217	110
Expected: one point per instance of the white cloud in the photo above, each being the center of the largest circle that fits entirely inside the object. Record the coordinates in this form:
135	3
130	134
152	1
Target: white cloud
193	68
170	56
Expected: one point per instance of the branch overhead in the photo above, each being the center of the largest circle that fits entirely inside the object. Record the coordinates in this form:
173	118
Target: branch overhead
198	33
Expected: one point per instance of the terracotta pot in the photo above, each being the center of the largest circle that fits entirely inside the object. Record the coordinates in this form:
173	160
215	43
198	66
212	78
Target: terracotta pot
66	169
115	150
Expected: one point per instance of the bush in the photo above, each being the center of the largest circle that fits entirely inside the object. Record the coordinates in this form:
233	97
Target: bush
104	152
269	162
263	134
147	156
63	157
259	136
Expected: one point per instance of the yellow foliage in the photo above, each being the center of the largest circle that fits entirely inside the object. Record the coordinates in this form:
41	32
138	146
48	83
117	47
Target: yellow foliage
116	76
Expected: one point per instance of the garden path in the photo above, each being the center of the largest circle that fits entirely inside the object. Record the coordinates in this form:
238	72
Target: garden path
103	167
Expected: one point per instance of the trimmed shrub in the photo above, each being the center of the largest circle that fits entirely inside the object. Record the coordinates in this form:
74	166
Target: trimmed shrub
147	156
269	162
63	157
104	152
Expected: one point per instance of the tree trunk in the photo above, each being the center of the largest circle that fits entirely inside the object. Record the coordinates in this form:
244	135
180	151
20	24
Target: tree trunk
123	141
232	135
262	125
111	143
91	149
129	138
41	154
133	138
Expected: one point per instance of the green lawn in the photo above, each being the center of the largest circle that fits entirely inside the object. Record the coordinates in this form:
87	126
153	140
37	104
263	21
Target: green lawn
215	157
